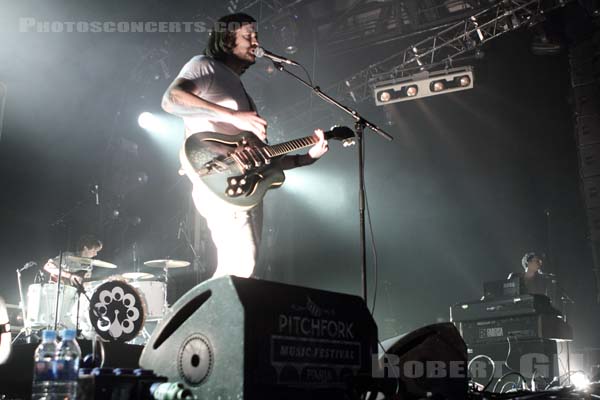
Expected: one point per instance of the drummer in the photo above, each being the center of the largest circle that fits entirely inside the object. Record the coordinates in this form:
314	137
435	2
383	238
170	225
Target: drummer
88	247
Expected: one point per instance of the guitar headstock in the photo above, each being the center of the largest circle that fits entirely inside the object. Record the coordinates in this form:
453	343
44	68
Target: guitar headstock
343	133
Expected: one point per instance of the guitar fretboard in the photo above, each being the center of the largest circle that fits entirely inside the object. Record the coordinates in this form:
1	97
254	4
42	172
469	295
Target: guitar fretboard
288	147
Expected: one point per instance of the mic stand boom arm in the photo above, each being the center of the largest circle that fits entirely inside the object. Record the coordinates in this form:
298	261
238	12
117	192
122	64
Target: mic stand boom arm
360	124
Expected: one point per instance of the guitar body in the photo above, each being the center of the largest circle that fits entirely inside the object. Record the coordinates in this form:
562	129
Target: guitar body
238	170
213	156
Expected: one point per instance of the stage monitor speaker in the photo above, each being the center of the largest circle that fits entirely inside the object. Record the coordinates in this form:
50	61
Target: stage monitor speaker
236	338
430	362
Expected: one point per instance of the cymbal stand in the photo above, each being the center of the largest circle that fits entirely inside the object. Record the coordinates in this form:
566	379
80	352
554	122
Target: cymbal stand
165	302
58	283
81	291
22	306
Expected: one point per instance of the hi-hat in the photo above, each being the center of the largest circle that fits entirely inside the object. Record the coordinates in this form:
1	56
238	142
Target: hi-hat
166	264
137	275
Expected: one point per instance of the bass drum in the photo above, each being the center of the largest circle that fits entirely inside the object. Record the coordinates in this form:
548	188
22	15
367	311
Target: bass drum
117	312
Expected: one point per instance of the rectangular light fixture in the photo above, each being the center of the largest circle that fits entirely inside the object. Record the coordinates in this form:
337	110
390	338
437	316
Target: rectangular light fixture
423	84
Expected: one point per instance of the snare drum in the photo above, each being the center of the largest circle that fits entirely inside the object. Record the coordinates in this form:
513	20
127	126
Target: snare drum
41	305
154	295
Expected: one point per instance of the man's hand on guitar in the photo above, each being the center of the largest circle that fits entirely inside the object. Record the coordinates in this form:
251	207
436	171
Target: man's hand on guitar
321	147
251	122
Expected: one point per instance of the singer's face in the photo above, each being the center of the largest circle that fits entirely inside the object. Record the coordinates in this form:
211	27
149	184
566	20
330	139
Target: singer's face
90	253
246	40
535	264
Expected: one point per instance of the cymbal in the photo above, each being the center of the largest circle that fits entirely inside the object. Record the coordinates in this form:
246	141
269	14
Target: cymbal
137	275
79	260
90	261
166	264
103	264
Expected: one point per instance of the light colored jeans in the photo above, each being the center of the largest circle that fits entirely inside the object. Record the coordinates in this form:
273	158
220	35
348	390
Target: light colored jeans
236	235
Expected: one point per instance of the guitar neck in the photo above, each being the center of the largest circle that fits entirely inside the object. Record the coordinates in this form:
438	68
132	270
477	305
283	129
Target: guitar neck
291	146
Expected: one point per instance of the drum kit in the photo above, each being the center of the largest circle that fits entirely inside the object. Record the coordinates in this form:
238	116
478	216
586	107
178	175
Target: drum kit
118	308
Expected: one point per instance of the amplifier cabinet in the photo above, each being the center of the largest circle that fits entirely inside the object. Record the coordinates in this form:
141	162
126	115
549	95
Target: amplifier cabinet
544	326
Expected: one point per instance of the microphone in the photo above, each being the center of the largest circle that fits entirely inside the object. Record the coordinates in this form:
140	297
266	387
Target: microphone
259	52
28	265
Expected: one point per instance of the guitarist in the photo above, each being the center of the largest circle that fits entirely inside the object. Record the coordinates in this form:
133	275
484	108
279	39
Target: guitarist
210	97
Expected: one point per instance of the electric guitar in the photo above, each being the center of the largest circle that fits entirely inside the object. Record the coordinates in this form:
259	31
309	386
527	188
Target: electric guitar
239	169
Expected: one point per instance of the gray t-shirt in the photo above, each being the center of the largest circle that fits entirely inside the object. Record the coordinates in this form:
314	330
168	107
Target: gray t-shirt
215	82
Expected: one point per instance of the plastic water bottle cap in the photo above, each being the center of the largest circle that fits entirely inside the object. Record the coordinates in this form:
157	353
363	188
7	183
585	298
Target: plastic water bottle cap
68	334
48	335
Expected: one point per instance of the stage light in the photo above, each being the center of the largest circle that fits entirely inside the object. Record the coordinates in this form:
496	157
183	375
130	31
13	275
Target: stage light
141	178
412	91
5	340
423	84
384	97
580	380
437	86
147	120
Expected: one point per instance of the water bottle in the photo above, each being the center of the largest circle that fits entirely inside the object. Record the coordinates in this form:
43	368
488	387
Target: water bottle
66	366
43	361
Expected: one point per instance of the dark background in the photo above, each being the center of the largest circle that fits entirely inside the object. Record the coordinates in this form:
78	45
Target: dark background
472	181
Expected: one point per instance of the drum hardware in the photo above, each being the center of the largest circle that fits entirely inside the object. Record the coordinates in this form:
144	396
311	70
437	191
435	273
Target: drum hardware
80	291
165	265
136	276
22	305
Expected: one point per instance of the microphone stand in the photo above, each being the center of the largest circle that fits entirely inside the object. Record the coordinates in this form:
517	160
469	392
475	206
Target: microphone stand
23	308
81	291
360	124
183	232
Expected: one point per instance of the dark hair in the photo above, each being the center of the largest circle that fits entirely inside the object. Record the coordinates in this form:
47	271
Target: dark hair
88	241
527	258
221	39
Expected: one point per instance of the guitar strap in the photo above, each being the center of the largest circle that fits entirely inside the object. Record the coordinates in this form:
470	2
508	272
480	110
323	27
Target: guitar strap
250	101
252	106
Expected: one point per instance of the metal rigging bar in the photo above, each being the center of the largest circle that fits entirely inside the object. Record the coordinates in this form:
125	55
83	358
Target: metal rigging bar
446	45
